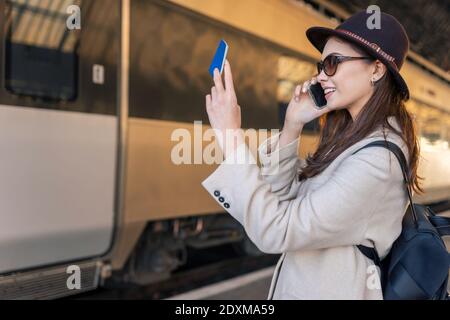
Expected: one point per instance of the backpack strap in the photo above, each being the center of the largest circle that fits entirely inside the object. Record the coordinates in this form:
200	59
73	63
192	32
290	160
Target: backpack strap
369	252
442	224
403	164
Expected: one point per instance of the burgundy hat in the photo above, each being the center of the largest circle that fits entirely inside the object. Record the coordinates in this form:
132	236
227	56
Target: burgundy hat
389	44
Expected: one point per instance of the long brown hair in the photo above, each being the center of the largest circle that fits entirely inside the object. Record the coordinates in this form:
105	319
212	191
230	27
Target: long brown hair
338	131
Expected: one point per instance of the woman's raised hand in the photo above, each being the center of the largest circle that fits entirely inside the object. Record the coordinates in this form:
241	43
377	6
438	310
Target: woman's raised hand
223	110
221	105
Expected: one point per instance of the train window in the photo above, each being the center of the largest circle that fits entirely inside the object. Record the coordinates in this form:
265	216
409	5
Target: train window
41	57
414	110
447	129
434	127
169	81
293	71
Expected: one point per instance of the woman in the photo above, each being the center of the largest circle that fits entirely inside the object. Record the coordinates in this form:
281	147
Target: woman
315	211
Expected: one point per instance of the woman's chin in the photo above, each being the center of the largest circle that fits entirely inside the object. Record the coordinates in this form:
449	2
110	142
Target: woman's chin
334	102
330	105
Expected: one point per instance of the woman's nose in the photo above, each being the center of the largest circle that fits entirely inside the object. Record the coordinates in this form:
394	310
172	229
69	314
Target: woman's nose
321	77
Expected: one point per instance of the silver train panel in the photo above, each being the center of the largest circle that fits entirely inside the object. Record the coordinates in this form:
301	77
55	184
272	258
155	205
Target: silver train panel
56	186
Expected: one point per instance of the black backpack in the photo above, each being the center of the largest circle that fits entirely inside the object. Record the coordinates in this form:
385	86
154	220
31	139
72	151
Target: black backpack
417	266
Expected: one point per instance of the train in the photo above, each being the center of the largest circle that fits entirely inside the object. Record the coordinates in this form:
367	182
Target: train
91	93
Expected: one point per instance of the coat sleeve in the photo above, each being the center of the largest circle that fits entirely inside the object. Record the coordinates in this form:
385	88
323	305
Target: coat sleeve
335	214
279	166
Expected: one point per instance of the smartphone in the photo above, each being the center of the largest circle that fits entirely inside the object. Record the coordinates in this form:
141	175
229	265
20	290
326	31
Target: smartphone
317	95
219	58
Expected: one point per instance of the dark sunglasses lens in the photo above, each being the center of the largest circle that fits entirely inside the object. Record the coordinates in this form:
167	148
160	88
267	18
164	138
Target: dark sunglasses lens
330	64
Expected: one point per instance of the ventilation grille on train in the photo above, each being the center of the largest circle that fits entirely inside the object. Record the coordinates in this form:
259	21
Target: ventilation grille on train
49	283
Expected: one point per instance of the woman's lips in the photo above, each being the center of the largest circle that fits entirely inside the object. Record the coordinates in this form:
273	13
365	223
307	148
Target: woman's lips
328	95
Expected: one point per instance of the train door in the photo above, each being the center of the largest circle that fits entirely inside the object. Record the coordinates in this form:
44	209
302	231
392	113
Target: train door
58	130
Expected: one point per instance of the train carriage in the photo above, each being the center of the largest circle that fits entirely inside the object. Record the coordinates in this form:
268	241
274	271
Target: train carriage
91	93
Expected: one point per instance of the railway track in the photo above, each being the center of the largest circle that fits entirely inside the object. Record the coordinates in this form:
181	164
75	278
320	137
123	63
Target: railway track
186	280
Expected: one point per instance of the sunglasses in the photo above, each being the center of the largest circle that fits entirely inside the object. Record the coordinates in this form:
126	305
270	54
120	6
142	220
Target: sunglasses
329	65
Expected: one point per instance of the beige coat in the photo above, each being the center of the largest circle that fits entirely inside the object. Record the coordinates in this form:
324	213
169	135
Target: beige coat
315	224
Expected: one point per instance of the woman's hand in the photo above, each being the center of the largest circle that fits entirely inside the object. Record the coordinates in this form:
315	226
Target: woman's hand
301	108
224	113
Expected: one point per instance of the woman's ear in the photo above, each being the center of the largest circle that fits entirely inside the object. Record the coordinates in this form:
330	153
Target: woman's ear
378	71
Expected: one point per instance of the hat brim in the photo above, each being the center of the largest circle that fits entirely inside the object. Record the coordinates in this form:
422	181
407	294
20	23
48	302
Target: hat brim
318	37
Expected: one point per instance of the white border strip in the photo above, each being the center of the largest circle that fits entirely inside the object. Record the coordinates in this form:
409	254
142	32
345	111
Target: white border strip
226	285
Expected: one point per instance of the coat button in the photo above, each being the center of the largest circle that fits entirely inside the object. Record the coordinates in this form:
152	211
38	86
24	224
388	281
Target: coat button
226	205
216	193
221	199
